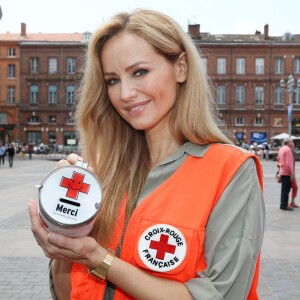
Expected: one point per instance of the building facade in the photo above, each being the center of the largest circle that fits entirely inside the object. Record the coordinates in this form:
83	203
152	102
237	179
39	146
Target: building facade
48	69
40	73
9	89
246	71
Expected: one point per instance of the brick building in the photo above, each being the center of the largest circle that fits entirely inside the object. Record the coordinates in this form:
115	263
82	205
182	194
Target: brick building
246	71
48	69
9	88
39	75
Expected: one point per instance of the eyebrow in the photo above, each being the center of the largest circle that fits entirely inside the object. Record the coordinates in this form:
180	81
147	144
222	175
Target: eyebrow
130	67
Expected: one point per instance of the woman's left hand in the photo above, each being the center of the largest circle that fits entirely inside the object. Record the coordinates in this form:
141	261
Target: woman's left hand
84	250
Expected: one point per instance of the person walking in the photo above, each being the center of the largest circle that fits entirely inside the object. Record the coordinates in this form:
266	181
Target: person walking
30	149
11	153
182	215
285	161
2	153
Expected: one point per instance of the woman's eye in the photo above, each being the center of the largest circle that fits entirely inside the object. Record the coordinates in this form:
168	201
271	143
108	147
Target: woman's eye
112	81
140	72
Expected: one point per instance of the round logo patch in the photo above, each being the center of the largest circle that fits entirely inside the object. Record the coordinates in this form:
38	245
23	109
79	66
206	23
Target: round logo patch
162	247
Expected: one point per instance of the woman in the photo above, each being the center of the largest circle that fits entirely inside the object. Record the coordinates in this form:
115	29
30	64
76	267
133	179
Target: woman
11	153
183	213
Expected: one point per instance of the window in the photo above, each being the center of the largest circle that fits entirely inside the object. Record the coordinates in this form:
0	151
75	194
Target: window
259	95
221	66
221	94
34	65
204	63
278	95
239	121
279	64
11	71
33	120
69	135
52	137
34	94
259	66
3	118
297	65
240	94
297	97
70	120
52	94
240	66
52	65
34	136
71	66
70	94
52	119
11	95
258	121
11	52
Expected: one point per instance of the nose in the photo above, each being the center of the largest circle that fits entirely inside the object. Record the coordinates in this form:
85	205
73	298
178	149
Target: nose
128	91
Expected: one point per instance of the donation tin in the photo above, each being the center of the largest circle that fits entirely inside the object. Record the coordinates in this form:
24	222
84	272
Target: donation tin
69	199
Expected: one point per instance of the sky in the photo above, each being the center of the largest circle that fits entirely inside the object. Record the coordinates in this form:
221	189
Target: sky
214	16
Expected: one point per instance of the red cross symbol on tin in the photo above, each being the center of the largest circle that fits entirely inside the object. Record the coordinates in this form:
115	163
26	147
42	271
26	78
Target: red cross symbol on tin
162	246
75	185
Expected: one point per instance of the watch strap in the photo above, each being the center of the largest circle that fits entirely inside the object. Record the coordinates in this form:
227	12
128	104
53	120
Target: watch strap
101	271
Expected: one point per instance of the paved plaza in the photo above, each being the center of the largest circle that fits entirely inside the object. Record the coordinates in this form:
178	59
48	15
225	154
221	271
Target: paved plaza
24	269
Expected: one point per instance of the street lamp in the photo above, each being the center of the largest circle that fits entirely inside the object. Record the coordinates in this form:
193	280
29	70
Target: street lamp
291	89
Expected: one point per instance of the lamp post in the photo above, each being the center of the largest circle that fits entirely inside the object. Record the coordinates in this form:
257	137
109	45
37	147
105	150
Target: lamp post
291	89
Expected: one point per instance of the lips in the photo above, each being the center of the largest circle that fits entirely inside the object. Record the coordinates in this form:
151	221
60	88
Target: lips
137	108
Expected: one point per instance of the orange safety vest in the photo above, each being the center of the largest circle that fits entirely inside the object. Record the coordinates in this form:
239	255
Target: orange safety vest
166	232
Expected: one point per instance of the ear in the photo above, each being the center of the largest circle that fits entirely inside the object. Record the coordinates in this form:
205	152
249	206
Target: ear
181	68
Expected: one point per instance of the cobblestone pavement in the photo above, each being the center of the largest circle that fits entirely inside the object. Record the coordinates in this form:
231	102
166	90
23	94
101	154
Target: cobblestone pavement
23	267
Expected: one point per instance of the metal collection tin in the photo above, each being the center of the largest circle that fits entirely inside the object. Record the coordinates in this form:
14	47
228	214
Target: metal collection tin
69	199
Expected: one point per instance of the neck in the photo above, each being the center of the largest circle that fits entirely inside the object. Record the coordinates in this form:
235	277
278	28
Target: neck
161	146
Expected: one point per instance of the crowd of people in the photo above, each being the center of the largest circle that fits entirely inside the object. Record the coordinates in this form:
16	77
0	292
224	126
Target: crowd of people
10	149
260	150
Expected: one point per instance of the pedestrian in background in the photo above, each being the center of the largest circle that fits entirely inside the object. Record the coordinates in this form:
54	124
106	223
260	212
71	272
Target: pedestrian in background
30	149
260	152
2	153
182	215
285	161
11	153
267	149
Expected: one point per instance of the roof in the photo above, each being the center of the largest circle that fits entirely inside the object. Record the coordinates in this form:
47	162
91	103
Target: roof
287	38
42	37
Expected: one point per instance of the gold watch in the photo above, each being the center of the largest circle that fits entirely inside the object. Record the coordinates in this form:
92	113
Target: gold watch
101	271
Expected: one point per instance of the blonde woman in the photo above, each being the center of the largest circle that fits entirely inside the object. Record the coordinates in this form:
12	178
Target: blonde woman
183	213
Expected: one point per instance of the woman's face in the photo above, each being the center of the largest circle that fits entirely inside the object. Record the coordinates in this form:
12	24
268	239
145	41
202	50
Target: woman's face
141	83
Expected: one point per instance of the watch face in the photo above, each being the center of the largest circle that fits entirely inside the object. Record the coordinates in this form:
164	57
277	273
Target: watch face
69	196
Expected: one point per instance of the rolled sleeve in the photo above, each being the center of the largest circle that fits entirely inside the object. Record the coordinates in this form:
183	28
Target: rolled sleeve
233	240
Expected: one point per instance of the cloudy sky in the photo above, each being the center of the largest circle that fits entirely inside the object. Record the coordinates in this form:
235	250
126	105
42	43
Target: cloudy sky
214	16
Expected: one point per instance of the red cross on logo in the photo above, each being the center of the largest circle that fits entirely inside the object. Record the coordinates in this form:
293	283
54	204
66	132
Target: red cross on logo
75	185
162	247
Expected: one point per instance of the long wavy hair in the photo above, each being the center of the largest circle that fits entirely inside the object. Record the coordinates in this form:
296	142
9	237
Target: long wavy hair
119	153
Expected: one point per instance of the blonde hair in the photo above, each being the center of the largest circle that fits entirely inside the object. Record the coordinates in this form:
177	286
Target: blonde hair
118	152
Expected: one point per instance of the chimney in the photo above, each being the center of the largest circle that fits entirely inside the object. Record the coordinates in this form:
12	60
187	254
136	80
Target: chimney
266	32
23	29
194	31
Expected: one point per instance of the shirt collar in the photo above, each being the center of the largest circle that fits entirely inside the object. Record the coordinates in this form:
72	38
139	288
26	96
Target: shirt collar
186	149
